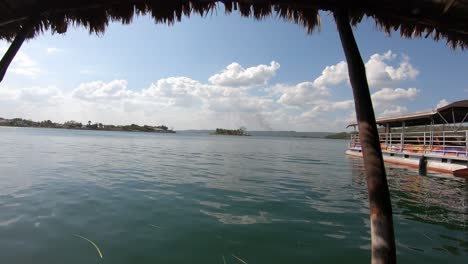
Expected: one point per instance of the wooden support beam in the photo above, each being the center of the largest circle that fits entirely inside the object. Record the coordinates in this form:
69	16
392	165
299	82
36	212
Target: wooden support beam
26	29
382	236
448	5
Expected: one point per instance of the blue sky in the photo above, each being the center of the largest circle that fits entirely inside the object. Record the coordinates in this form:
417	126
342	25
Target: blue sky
224	71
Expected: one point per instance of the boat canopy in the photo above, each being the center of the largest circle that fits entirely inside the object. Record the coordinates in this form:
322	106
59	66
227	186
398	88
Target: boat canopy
453	113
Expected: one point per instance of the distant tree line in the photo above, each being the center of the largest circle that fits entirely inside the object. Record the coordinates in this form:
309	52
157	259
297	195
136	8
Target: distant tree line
19	122
341	135
231	132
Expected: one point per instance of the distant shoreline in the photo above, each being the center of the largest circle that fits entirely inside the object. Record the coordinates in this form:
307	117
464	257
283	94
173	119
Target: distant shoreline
216	134
230	132
341	135
19	122
87	129
209	132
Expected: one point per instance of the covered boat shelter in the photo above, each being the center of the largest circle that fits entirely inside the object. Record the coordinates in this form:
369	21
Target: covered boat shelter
438	19
450	114
438	134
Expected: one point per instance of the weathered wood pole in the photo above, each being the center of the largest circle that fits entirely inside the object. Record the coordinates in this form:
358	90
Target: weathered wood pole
382	236
26	29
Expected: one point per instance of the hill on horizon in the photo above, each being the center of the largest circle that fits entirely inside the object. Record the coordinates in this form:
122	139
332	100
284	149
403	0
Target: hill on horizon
265	133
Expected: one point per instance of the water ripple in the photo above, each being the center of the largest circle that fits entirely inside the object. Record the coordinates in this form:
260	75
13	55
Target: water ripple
273	200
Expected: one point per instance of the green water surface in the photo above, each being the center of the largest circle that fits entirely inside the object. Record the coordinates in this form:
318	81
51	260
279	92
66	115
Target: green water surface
160	198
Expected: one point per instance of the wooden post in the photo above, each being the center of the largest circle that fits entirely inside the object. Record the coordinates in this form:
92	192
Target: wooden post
432	133
466	144
382	236
402	140
26	29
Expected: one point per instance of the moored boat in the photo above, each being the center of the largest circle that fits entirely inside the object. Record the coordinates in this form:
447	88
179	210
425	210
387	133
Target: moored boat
433	140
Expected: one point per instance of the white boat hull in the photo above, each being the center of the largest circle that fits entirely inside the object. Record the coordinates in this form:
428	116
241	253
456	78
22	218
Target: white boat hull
438	164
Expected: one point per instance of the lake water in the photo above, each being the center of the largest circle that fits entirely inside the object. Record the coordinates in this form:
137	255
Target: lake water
161	198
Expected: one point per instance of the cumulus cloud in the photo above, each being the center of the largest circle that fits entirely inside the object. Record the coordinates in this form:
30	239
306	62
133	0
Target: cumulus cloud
442	103
52	50
300	95
333	75
388	101
226	99
378	69
176	91
380	73
328	106
240	103
8	94
394	94
87	72
236	76
98	90
394	111
39	94
23	65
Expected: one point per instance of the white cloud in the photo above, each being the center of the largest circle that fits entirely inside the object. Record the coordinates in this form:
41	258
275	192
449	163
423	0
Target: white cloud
240	104
87	72
333	75
394	111
314	97
380	73
301	94
24	65
175	91
236	76
328	106
8	94
224	100
394	94
52	50
387	101
442	103
98	90
39	94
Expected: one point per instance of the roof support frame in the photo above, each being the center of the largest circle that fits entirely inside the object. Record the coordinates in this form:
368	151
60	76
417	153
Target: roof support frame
441	116
26	29
381	220
454	121
461	123
448	5
453	116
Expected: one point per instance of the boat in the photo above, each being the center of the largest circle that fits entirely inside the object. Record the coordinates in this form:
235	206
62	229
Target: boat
433	140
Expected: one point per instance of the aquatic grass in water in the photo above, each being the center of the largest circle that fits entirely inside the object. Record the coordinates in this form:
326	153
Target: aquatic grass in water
92	243
241	260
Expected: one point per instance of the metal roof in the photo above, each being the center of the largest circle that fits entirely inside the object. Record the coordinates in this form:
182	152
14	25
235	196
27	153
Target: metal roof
456	112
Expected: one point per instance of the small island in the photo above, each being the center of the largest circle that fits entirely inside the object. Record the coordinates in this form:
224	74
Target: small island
19	122
341	135
231	132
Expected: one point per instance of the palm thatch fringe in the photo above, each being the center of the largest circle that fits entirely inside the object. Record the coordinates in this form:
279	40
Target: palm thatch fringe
437	18
10	54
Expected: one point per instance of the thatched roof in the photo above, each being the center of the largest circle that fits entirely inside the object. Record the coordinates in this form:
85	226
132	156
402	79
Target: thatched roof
439	19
